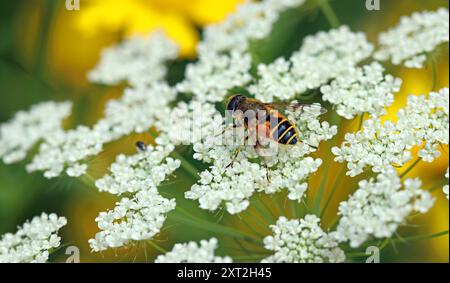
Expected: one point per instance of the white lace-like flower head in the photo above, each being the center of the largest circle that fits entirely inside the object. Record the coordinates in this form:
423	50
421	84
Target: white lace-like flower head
133	219
139	172
426	120
32	242
301	241
136	111
21	133
138	60
193	253
362	90
414	37
423	122
251	21
379	207
322	57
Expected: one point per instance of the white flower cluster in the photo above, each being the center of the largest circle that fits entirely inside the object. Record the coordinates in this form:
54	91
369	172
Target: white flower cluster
426	120
133	219
414	37
188	123
136	111
193	253
252	21
233	185
27	128
138	60
362	90
139	172
322	57
223	57
33	242
379	207
140	216
445	189
223	72
377	145
301	241
423	122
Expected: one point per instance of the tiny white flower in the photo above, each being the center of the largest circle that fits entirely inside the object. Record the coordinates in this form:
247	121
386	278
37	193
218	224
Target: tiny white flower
362	90
32	242
27	128
379	207
414	37
193	253
301	241
138	60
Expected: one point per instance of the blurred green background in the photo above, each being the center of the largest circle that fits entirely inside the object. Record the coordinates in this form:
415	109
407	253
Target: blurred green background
46	51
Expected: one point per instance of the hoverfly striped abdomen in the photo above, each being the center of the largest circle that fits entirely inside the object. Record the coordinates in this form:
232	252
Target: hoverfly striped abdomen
282	130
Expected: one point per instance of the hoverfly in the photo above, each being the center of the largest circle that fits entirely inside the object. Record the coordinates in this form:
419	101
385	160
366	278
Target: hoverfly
265	121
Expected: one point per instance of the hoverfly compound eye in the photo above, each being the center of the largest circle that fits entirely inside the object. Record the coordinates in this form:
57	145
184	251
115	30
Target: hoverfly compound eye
234	102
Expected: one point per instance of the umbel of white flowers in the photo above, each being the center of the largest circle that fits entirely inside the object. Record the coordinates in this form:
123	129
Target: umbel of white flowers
379	207
414	38
423	122
32	242
302	241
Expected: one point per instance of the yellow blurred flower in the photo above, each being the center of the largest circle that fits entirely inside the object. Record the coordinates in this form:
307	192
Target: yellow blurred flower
177	18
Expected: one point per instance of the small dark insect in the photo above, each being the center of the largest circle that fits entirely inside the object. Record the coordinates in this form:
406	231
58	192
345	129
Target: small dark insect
141	146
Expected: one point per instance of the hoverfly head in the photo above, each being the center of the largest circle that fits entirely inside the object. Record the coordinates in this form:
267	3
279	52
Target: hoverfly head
234	101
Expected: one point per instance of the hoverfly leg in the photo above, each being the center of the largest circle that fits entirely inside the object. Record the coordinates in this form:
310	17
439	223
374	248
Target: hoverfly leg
229	127
257	149
235	156
237	153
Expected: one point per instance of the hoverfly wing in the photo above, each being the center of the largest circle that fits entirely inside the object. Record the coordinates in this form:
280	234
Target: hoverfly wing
295	107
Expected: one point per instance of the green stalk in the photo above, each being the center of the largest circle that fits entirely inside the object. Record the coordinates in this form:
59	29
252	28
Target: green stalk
157	247
336	184
433	74
410	168
329	13
185	217
186	165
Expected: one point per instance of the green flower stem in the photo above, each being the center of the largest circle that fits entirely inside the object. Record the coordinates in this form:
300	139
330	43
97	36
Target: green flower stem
329	13
250	258
411	167
157	247
361	121
434	72
318	199
407	239
186	165
335	186
185	217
